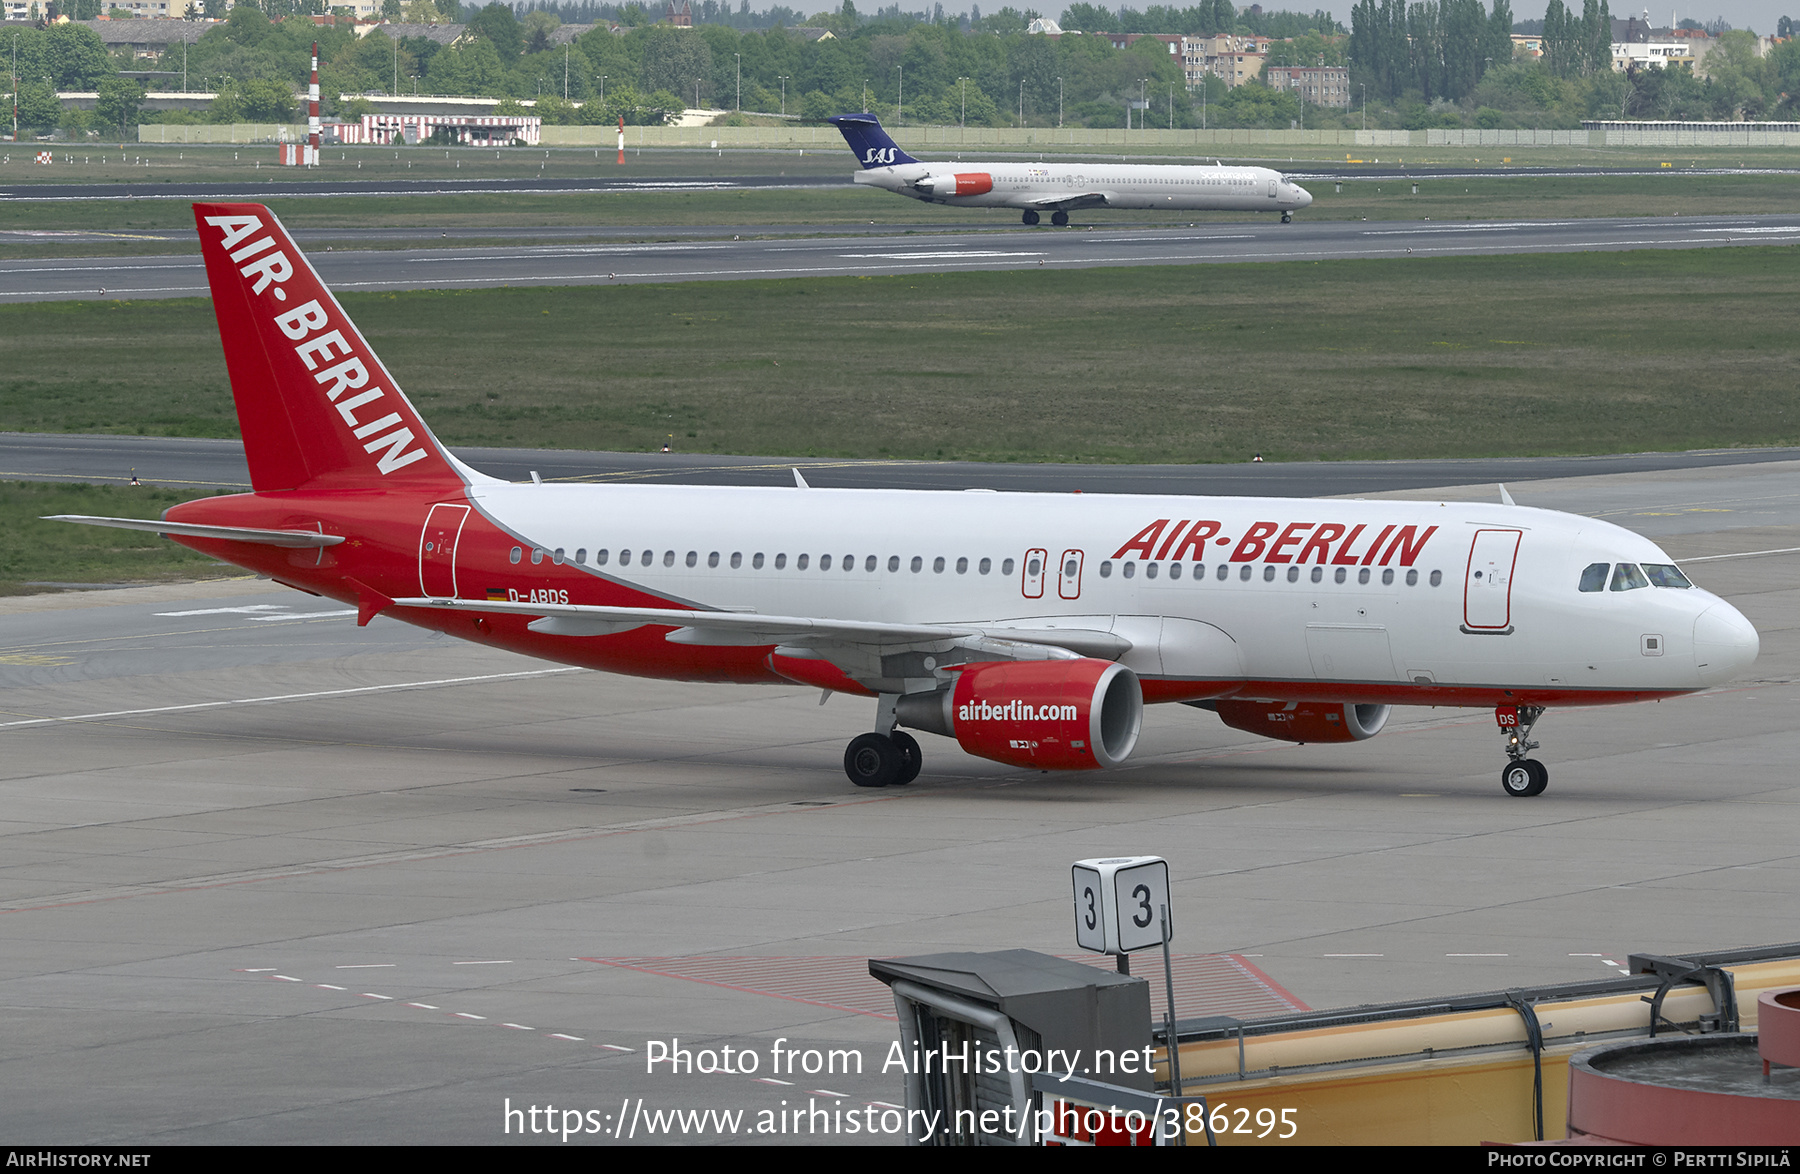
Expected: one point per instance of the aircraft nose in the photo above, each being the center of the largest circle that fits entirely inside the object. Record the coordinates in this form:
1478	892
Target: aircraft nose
1725	644
1304	195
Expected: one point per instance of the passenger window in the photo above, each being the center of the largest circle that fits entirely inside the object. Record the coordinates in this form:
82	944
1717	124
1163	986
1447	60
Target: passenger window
893	563
869	564
1293	574
1268	574
1318	574
1594	578
1105	569
537	556
780	561
756	561
712	560
937	565
918	564
1130	569
1412	578
557	557
1150	570
962	566
737	559
646	557
693	558
516	555
824	562
1224	571
600	557
1244	573
581	554
800	561
1664	575
1340	575
625	557
668	558
1387	577
1362	576
1006	567
985	565
1174	570
1437	577
1626	577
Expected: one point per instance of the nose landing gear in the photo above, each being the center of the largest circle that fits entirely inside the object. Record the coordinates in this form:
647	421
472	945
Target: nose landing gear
1287	217
1523	777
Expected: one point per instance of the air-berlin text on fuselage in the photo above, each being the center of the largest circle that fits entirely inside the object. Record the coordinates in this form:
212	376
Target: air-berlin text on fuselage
347	371
1339	545
1015	711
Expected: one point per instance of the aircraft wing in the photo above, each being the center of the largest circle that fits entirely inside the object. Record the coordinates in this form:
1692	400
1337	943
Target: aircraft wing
297	539
697	626
1069	201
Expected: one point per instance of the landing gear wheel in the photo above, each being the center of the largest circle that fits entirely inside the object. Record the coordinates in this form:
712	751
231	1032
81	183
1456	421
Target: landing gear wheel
910	756
1031	218
1287	217
1060	219
1524	778
872	760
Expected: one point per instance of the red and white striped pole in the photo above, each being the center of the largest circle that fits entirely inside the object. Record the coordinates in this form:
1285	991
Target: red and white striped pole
621	140
312	110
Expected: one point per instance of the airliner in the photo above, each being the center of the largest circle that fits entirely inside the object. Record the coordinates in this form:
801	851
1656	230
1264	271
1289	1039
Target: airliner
1061	188
1030	628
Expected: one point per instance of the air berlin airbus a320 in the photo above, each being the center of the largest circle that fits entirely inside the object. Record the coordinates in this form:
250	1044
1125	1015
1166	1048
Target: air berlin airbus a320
1031	628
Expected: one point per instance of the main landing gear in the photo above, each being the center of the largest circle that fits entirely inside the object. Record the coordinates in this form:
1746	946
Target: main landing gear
1060	219
890	759
1031	219
1523	777
882	760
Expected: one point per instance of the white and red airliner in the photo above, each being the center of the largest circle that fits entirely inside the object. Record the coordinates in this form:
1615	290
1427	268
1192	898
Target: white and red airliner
1059	188
1031	628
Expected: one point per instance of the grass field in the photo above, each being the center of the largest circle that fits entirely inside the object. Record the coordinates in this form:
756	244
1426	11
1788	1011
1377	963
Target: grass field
38	556
1582	353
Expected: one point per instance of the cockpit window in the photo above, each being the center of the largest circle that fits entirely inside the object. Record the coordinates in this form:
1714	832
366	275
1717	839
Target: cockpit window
1626	577
1594	578
1664	575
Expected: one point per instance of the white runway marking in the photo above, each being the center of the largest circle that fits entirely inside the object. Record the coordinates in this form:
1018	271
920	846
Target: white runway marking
84	717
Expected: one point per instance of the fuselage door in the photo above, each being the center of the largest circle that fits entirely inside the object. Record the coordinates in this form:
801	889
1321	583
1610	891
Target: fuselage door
1068	583
1031	585
437	550
1487	591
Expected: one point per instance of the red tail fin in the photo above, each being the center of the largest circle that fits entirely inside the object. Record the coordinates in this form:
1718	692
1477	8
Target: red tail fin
316	406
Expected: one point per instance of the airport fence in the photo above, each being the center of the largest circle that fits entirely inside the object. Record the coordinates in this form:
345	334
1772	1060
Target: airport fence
949	139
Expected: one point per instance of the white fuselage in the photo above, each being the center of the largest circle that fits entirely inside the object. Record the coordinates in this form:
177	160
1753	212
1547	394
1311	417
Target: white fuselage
1056	186
1425	603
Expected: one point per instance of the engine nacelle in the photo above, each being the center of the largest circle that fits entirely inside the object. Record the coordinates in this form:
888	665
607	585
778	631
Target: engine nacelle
1304	721
1049	714
969	183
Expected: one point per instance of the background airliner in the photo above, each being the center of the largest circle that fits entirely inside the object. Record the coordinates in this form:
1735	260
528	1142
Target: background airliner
1031	628
1060	188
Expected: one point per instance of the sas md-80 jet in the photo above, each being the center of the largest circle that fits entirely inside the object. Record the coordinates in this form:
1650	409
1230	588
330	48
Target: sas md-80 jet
1061	188
1031	628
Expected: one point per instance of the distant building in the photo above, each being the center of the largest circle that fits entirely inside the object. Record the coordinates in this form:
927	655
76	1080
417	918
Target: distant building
1044	26
681	14
474	130
146	37
444	34
1328	86
809	33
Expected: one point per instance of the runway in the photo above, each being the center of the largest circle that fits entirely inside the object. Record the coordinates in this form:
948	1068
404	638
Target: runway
903	253
272	878
189	462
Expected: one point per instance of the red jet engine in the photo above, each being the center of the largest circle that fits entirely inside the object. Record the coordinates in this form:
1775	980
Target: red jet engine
1049	714
1304	721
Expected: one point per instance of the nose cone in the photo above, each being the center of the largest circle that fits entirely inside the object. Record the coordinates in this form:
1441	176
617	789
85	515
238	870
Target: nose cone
1724	643
1303	196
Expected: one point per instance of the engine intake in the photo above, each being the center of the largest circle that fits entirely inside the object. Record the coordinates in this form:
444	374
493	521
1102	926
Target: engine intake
1304	721
1052	714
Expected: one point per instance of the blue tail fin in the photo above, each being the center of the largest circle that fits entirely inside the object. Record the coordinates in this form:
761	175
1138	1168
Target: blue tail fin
871	144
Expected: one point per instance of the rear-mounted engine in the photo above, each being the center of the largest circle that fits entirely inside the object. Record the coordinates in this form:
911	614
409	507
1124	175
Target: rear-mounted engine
1304	721
1052	715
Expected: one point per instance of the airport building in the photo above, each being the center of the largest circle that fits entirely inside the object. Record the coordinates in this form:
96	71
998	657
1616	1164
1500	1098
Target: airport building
1327	86
468	130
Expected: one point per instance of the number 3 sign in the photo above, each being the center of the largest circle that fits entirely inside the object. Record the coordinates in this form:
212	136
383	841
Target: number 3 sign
1119	903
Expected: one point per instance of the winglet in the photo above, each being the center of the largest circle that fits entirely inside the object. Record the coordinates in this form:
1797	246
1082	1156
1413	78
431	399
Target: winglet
1505	497
369	602
799	481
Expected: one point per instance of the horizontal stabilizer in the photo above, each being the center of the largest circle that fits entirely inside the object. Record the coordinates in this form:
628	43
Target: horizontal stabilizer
296	539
